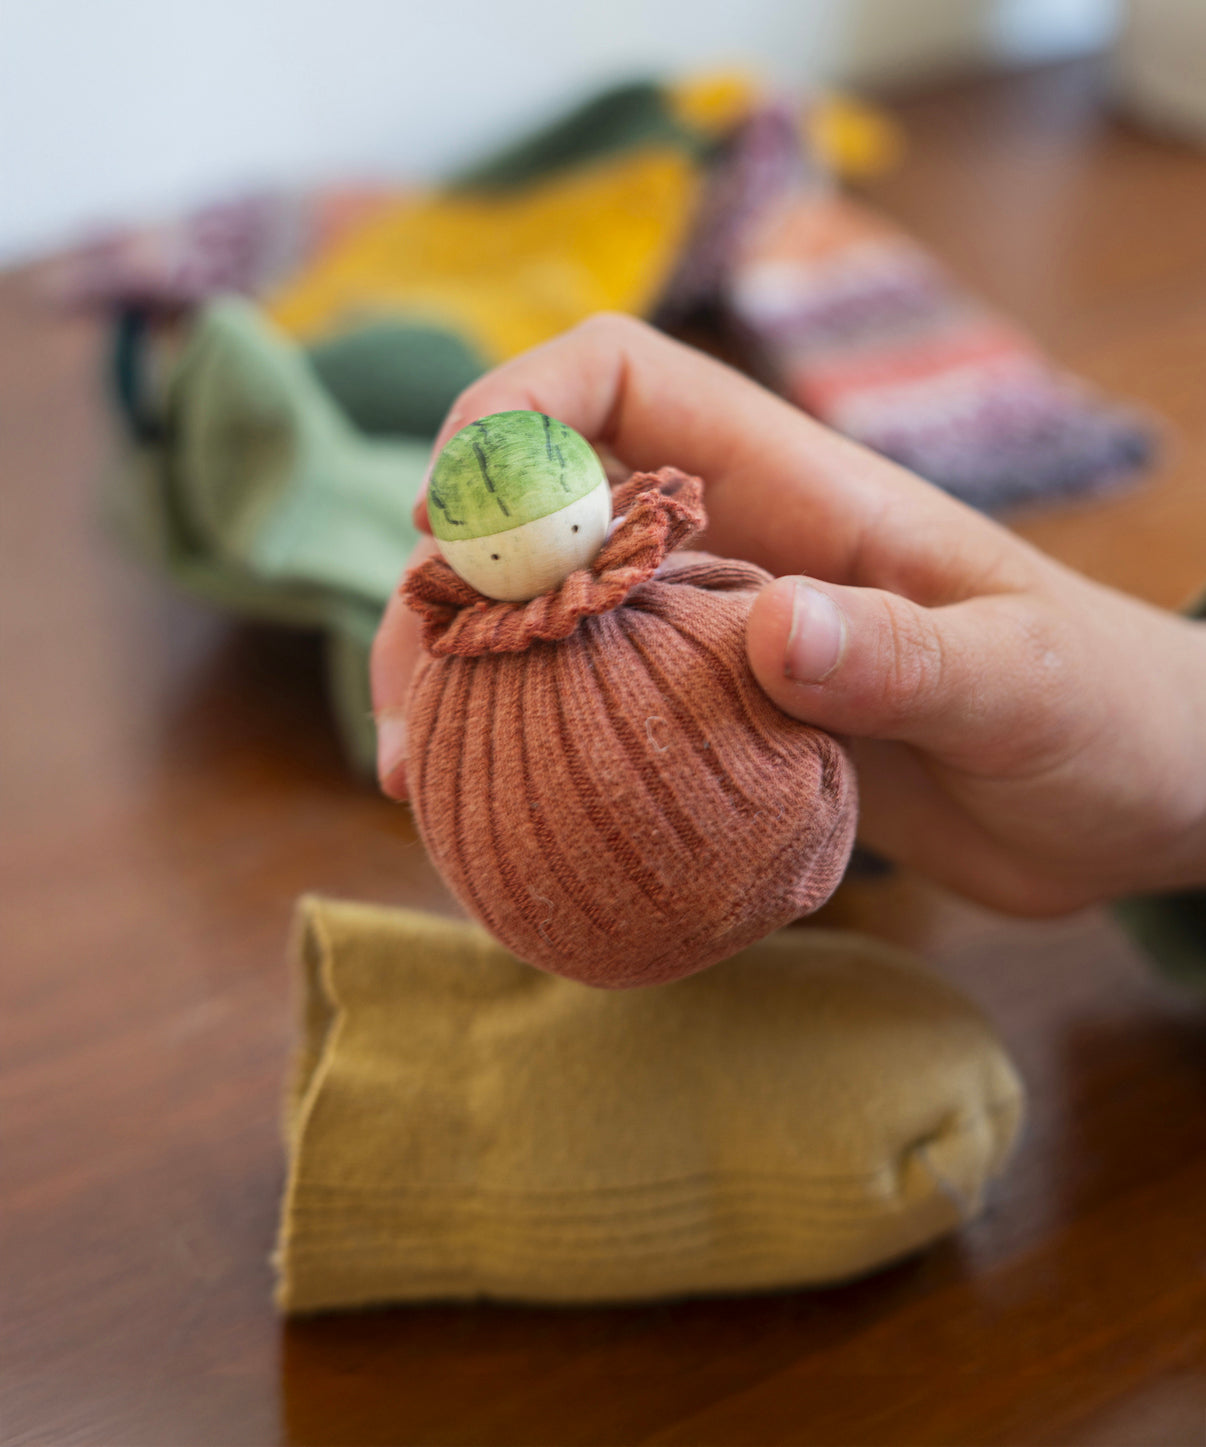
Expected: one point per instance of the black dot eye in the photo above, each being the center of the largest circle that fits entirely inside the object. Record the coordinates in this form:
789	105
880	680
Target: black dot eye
494	556
574	529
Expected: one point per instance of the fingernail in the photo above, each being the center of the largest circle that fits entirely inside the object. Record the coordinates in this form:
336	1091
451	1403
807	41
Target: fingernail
818	633
391	751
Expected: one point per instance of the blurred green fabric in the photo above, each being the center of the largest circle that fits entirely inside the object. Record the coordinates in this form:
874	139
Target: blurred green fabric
254	491
395	378
276	478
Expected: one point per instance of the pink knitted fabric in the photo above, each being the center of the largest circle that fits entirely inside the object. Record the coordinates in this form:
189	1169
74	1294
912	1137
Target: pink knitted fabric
596	773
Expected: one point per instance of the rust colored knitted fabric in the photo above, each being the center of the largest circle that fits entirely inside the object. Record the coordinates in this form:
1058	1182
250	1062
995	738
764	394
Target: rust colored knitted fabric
596	773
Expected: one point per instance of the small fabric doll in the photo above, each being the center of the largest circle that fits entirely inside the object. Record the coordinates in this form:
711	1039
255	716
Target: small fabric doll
595	771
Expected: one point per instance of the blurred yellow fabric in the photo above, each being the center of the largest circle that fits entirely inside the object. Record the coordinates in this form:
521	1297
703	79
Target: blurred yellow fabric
511	269
714	102
852	139
508	267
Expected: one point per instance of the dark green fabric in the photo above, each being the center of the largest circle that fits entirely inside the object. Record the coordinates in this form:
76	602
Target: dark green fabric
253	491
1172	929
395	378
627	115
279	482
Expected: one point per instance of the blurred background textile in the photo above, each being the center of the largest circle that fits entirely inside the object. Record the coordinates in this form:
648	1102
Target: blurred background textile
172	782
141	107
272	453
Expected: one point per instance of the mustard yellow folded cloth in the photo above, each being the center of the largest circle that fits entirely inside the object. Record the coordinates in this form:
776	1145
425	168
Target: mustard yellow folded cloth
461	1125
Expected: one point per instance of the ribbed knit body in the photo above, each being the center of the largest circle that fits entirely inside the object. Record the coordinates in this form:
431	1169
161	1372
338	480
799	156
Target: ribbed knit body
625	805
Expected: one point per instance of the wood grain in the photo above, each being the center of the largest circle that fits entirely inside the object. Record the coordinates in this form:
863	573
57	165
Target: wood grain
171	782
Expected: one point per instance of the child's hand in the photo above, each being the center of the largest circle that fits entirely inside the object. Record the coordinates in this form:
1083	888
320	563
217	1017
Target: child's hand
1023	735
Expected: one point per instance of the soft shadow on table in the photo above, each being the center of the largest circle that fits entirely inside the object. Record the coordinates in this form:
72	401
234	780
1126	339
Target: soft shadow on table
255	693
1138	1079
446	1374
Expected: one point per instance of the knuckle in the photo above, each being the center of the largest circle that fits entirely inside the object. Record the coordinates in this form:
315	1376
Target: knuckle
1039	637
468	403
1038	727
916	665
612	325
469	400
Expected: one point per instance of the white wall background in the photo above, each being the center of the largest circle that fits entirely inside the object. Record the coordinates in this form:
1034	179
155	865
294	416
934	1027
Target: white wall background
120	109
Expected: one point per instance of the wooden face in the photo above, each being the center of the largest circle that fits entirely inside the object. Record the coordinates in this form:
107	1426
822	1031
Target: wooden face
526	561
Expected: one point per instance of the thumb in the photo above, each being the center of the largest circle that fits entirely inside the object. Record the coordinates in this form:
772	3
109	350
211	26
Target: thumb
959	680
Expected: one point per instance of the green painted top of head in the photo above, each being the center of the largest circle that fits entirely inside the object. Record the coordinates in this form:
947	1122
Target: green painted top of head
507	470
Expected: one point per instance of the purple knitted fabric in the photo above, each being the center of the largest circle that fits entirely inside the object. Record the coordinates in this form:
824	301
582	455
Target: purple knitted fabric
857	325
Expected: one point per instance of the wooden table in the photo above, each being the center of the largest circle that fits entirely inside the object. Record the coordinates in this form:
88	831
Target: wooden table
171	782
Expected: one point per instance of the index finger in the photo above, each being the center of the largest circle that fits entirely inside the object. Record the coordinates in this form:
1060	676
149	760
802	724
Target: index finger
781	490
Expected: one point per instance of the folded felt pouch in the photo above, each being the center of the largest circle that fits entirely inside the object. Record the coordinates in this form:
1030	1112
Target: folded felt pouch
461	1125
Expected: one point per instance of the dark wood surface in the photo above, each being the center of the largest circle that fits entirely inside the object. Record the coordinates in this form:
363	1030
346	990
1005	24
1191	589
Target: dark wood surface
171	782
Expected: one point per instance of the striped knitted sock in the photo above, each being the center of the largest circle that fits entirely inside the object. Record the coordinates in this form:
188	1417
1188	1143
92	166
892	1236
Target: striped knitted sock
857	325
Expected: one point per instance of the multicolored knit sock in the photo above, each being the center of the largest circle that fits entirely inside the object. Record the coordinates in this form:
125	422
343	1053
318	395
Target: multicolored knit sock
246	244
856	324
659	200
